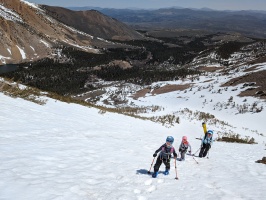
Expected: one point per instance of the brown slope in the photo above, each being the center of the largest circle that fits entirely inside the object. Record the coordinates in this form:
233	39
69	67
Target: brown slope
94	23
33	34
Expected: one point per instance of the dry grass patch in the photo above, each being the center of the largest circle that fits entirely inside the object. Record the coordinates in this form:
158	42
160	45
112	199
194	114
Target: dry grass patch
259	89
237	140
258	60
209	69
251	69
170	88
141	93
27	93
263	161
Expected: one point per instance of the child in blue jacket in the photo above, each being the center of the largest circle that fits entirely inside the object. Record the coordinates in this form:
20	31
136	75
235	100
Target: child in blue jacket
206	143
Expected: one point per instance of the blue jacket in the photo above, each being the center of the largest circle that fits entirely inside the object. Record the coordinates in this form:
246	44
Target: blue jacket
207	140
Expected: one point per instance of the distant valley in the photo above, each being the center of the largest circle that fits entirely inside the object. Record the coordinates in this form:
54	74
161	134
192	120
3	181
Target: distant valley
83	53
250	23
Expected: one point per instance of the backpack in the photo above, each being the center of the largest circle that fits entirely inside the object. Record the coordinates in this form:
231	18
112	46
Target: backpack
205	137
165	154
183	146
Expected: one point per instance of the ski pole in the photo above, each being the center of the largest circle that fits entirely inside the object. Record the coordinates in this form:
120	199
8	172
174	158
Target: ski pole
195	160
196	151
208	155
151	166
176	171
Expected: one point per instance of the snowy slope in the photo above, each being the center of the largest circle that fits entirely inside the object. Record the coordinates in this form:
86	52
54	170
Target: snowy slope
205	94
65	151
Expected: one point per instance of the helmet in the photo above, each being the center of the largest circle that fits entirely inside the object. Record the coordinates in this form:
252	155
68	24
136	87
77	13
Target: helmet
210	132
184	138
170	139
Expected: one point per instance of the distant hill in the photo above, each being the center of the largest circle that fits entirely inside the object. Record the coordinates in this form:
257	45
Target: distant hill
249	22
94	23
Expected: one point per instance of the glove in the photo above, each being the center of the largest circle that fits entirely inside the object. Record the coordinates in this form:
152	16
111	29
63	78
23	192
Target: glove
179	150
189	152
155	154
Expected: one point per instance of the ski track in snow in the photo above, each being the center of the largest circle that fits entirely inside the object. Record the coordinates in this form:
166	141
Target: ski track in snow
66	151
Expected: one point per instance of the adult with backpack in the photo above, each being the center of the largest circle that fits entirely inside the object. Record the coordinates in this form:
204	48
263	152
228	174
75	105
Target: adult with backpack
183	147
206	143
166	150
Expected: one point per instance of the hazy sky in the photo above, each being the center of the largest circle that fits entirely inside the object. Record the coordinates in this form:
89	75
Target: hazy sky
214	4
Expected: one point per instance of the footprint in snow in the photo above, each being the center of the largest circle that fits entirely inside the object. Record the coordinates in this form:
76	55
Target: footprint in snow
151	189
141	198
210	186
136	191
160	180
148	182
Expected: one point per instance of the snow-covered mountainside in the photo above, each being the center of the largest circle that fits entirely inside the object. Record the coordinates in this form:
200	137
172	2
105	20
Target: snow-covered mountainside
28	32
230	97
57	150
68	151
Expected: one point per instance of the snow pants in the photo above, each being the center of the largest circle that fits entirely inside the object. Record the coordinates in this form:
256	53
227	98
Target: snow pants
182	154
204	150
159	162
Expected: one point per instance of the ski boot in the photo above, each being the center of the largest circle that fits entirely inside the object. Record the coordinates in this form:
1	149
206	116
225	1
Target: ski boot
166	172
155	174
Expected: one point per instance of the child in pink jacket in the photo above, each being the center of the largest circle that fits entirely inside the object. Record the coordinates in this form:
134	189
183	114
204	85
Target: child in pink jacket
184	147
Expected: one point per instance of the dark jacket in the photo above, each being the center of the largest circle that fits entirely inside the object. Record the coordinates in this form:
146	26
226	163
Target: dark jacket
166	151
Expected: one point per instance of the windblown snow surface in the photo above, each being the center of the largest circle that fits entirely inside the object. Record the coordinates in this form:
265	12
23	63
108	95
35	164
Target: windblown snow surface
61	151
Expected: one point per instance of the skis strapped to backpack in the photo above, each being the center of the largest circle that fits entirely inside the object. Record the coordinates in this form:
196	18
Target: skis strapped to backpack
204	127
205	130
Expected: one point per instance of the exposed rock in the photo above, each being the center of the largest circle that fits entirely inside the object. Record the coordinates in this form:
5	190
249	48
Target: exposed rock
121	63
94	23
30	32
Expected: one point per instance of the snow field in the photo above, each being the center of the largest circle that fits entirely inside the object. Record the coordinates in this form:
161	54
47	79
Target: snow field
66	151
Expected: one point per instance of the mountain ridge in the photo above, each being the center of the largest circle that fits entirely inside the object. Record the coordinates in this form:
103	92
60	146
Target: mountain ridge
35	35
249	22
94	23
28	33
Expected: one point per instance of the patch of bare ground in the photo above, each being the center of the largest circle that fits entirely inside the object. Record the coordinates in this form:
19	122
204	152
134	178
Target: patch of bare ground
141	93
170	88
208	81
259	86
91	95
1	86
251	69
209	69
4	86
258	60
162	90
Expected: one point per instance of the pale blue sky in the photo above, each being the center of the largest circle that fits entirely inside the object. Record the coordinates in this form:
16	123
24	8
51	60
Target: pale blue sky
213	4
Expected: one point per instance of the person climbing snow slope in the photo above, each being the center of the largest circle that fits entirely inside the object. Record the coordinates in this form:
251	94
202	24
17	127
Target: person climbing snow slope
206	143
183	147
166	150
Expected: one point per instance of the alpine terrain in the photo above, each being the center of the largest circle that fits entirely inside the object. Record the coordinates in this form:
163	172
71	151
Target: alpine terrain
89	107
